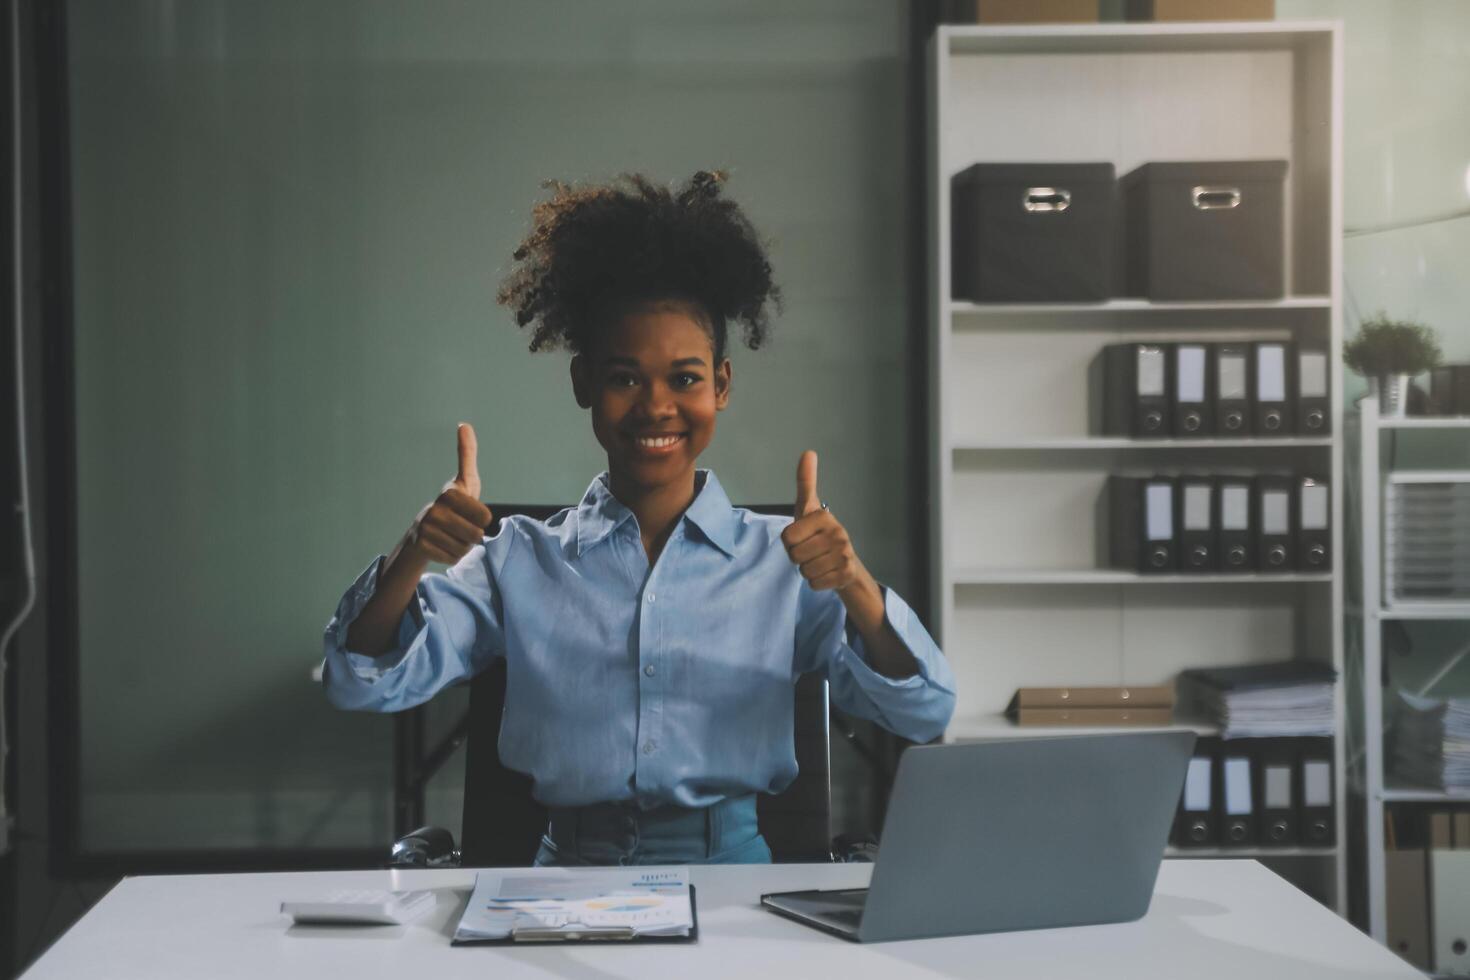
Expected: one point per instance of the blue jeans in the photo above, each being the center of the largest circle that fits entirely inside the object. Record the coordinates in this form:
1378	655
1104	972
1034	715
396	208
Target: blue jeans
620	833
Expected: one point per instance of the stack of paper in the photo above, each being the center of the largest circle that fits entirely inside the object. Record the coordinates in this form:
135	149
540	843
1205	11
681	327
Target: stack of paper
572	904
1287	699
1432	742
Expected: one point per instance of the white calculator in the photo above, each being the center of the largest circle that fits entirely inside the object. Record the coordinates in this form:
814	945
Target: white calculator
363	906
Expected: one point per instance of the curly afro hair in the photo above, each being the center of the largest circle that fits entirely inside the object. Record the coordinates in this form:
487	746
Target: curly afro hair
595	253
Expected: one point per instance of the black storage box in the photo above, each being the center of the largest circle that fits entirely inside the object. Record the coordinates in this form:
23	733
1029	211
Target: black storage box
1204	231
1034	232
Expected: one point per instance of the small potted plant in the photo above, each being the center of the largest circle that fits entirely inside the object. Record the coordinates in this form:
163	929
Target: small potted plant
1388	353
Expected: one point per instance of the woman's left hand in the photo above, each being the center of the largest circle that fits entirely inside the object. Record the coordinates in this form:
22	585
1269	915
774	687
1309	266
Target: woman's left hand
817	542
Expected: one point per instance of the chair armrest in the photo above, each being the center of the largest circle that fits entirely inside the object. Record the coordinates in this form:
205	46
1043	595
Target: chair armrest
427	847
848	848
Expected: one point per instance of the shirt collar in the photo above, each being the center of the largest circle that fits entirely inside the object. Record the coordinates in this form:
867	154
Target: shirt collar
712	513
600	513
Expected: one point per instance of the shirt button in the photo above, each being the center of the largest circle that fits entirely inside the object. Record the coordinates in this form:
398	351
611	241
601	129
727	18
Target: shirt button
648	747
649	670
650	597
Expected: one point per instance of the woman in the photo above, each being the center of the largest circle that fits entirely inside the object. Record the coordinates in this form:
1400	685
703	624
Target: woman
653	633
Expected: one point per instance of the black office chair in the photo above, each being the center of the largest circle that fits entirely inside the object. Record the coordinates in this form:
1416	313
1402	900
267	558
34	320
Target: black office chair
503	823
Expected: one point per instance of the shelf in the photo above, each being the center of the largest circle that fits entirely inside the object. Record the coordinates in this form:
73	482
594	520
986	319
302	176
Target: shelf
1134	306
1400	792
1088	443
1215	321
998	726
1427	422
1248	852
1132	38
1113	576
1427	610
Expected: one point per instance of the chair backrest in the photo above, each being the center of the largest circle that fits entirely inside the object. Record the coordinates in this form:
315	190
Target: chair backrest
503	823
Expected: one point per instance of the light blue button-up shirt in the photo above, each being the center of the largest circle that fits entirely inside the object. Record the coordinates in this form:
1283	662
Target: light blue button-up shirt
670	684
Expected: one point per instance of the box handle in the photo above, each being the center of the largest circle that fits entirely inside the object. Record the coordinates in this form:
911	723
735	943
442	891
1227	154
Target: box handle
1047	199
1215	198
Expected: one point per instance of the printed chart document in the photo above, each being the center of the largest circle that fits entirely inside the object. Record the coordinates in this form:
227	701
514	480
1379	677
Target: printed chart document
580	904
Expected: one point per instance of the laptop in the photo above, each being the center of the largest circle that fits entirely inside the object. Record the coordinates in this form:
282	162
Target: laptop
1028	833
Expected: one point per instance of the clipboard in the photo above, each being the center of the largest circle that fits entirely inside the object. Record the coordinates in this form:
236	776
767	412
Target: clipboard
551	937
560	935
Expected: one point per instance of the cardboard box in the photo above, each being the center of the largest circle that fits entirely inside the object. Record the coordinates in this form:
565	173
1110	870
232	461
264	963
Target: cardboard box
1201	9
1029	11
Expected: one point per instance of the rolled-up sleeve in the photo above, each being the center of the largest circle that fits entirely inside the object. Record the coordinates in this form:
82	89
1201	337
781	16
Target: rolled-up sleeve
453	628
917	707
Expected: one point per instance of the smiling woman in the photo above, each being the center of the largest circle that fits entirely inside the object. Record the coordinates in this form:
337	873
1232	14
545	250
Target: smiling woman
654	633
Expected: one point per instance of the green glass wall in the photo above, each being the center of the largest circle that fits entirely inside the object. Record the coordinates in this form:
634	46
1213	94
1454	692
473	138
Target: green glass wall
289	223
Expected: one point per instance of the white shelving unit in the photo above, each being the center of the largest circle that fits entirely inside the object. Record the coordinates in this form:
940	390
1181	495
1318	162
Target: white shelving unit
1016	466
1380	789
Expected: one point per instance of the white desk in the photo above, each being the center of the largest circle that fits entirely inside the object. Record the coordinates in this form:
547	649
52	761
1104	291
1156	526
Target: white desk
1224	918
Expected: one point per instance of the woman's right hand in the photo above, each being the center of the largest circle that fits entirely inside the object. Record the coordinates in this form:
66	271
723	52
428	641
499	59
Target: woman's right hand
455	521
446	530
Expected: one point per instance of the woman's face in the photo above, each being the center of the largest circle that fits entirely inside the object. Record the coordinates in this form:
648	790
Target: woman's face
654	391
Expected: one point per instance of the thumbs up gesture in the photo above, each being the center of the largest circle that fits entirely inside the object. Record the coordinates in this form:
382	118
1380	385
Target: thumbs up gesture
455	521
816	541
818	544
